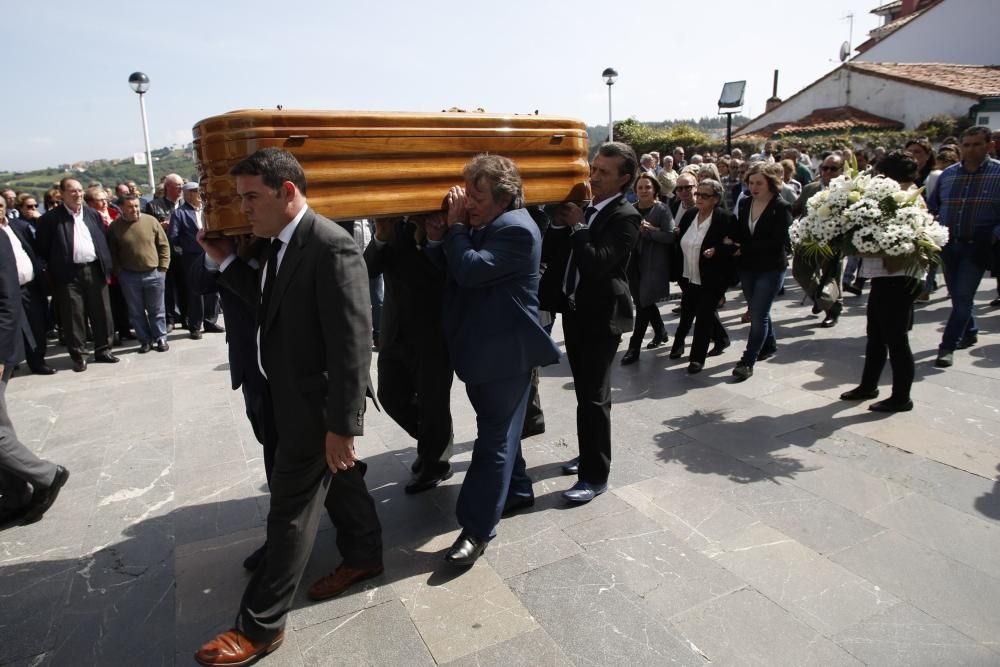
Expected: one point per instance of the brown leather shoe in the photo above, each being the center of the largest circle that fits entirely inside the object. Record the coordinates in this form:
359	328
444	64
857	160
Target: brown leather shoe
340	580
233	648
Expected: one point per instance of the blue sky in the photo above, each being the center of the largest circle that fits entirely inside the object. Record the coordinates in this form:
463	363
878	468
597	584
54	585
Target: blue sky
68	98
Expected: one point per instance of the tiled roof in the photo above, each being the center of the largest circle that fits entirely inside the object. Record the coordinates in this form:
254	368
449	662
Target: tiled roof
973	81
834	119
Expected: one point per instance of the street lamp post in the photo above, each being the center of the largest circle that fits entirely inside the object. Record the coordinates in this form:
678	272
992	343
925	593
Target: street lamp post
610	76
140	84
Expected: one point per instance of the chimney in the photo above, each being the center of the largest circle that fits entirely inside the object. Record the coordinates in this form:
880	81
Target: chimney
774	100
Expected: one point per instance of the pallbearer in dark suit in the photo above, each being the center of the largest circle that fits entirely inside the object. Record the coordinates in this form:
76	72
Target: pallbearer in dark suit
588	284
314	327
492	249
414	372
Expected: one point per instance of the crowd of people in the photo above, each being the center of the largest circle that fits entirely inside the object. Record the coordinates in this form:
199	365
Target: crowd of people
472	292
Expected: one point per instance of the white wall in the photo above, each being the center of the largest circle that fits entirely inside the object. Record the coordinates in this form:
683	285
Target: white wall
959	32
909	104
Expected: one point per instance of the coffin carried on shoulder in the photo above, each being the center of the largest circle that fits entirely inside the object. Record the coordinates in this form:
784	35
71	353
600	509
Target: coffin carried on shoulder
362	164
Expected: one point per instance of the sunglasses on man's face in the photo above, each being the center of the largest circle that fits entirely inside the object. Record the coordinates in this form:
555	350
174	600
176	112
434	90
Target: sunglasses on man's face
30	206
829	168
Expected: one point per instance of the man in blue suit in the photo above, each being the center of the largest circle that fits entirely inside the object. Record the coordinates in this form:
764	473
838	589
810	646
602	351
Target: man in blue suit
492	250
185	223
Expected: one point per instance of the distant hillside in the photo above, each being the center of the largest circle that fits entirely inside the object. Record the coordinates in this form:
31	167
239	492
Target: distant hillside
165	161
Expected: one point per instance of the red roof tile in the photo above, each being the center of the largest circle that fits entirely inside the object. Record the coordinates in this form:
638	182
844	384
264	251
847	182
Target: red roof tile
834	119
973	81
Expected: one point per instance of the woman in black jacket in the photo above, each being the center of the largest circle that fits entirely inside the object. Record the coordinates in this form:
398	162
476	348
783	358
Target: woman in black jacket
707	271
761	241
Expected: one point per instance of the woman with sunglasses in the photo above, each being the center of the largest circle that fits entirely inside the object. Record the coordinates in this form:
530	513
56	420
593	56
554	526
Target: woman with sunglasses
761	240
707	271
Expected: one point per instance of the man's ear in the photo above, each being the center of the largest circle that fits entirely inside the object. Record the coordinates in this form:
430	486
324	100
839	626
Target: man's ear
288	189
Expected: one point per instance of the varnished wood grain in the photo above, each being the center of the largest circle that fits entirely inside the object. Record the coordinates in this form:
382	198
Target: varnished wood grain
370	164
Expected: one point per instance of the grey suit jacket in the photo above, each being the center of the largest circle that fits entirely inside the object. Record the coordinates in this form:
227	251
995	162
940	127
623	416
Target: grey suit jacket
315	337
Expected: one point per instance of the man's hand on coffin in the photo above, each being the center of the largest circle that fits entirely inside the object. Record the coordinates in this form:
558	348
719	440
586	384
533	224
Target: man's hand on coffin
216	249
456	206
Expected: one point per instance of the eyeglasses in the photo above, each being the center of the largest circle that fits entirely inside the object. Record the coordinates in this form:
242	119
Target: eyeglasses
684	187
30	206
704	194
829	168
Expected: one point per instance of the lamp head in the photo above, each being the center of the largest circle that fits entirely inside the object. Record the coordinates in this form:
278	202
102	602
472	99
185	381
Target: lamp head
139	82
610	75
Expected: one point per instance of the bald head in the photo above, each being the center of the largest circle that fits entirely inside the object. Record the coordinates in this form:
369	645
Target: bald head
172	186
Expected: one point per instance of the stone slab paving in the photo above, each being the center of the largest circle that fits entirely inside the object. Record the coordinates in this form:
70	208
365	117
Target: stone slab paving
763	523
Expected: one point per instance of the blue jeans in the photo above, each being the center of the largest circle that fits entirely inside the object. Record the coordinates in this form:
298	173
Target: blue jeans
144	296
760	289
962	274
497	469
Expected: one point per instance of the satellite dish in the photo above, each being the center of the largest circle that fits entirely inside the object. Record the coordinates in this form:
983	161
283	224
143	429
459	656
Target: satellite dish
845	51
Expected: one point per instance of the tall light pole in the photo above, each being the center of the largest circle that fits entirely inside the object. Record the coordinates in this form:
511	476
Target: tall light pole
140	84
610	76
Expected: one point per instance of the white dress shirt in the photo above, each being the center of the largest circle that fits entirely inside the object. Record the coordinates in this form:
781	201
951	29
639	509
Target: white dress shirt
25	271
691	248
285	236
84	251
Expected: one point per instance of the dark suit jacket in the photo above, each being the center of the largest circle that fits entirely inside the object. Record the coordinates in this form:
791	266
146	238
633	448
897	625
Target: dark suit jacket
491	299
315	338
241	324
414	291
26	228
54	242
808	190
601	255
13	325
717	273
184	229
766	248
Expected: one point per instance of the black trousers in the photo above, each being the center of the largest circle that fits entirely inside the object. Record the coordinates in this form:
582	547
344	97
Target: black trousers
119	310
175	295
590	351
83	298
890	317
700	306
201	308
35	306
414	387
645	316
534	417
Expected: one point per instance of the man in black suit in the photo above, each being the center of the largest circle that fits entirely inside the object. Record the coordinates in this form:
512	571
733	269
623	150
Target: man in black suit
314	349
29	273
70	239
597	309
414	373
28	485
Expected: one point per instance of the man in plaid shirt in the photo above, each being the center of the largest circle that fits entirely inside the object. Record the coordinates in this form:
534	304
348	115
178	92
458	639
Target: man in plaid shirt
967	201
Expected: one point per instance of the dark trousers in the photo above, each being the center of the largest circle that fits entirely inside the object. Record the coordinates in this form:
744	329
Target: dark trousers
119	310
497	470
261	416
83	298
890	316
176	294
34	309
700	306
19	468
299	490
414	387
534	417
963	270
590	352
644	317
760	289
201	308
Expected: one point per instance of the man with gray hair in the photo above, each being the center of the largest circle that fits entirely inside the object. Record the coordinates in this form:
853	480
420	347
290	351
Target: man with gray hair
492	251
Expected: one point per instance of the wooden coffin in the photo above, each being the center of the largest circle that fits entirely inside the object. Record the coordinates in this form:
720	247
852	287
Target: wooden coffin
362	164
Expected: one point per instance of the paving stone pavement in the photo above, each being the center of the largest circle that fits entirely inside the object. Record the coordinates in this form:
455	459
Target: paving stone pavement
762	523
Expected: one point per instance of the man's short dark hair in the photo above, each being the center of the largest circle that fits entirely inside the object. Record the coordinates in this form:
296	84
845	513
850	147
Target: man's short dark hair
129	197
900	166
66	179
979	129
630	164
274	166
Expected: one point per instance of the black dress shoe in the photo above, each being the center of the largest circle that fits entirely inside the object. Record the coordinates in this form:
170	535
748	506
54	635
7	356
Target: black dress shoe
44	370
253	561
213	328
677	351
417	464
466	550
657	342
630	357
195	335
10	516
79	365
106	358
968	341
766	353
162	346
829	322
515	504
718	348
889	405
859	394
424	482
694	367
144	348
571	467
43	498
